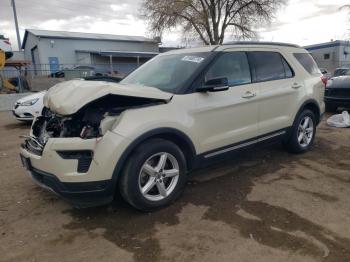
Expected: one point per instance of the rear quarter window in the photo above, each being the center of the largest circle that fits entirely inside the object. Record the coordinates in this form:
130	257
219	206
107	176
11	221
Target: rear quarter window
308	63
268	66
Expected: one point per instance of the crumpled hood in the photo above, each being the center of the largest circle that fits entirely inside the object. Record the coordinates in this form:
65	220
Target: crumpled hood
68	97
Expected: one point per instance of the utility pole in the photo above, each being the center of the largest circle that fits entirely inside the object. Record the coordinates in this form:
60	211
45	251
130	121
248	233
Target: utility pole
16	24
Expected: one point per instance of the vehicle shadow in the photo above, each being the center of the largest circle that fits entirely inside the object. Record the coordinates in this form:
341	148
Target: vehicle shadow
222	189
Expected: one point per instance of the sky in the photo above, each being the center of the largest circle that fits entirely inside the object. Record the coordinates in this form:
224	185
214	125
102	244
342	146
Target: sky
302	22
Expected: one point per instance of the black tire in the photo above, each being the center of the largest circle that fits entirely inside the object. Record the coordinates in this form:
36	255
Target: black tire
292	144
129	181
331	108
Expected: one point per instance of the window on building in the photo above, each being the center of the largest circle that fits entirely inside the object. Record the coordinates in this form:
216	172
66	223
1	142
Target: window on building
326	56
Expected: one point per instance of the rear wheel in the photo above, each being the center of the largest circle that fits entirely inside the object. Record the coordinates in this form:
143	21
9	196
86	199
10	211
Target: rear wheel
303	133
154	176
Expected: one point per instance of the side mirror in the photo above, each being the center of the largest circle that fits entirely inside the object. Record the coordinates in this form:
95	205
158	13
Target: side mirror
214	85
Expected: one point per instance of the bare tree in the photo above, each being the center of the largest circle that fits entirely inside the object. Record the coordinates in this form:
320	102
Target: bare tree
209	19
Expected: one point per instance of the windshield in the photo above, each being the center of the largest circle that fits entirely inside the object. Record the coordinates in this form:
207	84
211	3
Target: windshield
167	72
340	72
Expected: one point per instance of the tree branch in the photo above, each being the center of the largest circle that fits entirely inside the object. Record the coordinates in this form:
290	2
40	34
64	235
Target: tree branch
209	19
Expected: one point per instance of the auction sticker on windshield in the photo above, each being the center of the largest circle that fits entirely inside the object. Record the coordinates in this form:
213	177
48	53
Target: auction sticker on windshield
194	59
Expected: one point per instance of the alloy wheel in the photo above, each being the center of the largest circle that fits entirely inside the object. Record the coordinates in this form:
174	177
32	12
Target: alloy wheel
305	131
159	176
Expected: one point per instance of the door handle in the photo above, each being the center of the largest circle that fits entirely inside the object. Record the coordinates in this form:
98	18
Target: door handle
248	95
296	86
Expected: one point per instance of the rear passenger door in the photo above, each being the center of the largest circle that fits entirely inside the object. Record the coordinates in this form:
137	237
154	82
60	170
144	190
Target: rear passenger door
278	89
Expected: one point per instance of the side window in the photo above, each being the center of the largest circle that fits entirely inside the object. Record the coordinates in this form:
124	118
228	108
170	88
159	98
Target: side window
234	66
287	68
306	60
269	66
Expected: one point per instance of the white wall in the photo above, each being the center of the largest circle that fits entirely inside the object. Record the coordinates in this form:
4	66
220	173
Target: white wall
31	41
18	55
337	57
65	49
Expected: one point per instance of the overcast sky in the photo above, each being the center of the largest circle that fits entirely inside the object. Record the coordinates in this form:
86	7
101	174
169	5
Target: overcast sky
302	22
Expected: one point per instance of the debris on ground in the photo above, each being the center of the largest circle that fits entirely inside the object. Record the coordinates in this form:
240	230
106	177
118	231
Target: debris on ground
340	120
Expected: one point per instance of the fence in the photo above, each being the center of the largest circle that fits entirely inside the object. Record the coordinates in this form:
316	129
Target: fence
39	77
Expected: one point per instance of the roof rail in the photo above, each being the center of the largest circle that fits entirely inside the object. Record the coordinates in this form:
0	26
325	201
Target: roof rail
260	43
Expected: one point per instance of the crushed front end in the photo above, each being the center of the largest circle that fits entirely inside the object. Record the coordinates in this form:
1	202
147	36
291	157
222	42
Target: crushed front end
75	155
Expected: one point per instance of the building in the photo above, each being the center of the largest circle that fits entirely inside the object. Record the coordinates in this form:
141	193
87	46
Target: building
52	51
331	55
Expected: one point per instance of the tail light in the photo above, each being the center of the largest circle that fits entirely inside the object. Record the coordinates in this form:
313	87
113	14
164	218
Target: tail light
7	42
329	83
324	80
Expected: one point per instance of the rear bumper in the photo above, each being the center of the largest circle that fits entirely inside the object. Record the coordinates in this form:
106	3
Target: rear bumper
339	101
83	194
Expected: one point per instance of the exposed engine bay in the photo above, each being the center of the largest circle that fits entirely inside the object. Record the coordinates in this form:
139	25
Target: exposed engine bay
91	121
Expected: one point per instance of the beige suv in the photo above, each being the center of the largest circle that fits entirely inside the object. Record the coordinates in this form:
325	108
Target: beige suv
179	111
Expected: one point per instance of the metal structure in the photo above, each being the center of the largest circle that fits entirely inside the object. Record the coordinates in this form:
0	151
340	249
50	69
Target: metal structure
121	53
331	55
6	85
16	23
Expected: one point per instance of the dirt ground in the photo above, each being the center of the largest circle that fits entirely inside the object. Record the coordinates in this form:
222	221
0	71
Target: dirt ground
265	205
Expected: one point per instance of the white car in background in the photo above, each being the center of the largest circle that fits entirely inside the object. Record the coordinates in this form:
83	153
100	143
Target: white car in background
28	107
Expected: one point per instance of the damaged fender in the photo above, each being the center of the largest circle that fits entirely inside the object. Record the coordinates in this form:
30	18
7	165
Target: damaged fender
88	109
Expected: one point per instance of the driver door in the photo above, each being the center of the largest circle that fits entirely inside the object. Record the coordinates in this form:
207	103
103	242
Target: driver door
225	120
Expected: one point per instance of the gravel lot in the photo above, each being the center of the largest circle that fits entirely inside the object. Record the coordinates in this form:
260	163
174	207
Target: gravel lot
265	205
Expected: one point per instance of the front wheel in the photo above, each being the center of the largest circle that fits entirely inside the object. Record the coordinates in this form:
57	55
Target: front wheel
303	133
154	176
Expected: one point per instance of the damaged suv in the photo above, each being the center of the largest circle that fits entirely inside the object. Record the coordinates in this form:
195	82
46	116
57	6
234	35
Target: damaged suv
177	112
